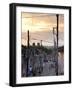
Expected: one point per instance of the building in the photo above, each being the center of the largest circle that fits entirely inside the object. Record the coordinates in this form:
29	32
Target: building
61	60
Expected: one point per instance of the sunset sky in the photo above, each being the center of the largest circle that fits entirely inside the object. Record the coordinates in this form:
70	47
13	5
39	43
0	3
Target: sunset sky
40	27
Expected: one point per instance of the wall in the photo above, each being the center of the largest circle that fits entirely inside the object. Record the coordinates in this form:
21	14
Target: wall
4	44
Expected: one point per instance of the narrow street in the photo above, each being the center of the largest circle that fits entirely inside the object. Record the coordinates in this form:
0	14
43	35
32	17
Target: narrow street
40	62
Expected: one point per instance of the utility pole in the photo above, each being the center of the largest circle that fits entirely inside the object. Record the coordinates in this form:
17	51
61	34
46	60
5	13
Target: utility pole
57	27
55	33
28	38
57	16
27	70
